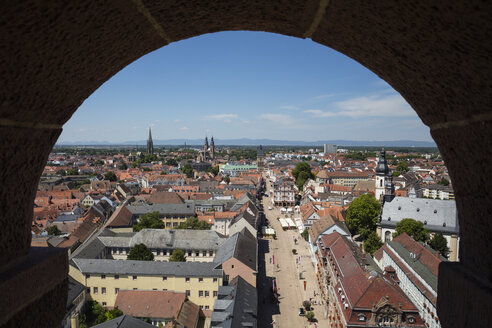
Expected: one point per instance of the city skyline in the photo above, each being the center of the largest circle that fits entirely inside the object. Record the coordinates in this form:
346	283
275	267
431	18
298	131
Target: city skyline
252	85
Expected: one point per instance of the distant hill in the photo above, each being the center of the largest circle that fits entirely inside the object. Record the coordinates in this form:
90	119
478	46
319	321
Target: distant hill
265	142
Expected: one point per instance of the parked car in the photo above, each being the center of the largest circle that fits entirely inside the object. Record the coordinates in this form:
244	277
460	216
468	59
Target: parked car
302	313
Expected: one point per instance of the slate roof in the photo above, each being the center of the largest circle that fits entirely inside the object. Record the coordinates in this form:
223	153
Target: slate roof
163	238
177	269
125	321
163	209
75	288
236	306
437	215
242	246
425	263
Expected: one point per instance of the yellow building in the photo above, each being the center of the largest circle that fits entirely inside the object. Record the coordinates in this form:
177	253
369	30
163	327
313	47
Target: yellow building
105	278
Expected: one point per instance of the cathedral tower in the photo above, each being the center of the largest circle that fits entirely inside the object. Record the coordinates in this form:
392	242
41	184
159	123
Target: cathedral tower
150	144
212	148
384	179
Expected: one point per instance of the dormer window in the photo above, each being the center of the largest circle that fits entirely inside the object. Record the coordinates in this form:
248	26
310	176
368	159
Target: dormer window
362	317
399	208
411	320
418	209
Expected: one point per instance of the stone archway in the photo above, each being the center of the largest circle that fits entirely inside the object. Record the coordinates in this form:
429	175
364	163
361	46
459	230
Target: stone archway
56	53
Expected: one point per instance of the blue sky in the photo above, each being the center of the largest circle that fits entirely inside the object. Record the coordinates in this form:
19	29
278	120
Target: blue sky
245	85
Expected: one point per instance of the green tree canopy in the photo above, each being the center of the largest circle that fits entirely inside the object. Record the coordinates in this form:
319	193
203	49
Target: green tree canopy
305	234
195	224
214	170
53	230
61	172
149	221
177	256
188	170
372	243
444	182
439	243
226	179
301	173
96	314
110	176
413	228
140	252
402	166
362	215
72	172
123	166
171	162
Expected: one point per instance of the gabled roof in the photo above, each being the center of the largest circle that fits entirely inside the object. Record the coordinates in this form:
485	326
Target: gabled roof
164	197
242	246
122	217
124	321
150	303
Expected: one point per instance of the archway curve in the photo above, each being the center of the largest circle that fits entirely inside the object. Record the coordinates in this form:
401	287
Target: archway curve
434	54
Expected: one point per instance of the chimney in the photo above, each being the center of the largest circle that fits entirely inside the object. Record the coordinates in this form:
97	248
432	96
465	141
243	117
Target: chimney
74	321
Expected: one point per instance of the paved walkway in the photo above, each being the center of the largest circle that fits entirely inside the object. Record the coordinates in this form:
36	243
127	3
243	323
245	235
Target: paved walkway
286	271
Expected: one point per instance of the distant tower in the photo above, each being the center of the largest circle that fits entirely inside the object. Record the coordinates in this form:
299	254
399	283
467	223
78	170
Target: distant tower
150	144
260	159
384	179
205	145
212	148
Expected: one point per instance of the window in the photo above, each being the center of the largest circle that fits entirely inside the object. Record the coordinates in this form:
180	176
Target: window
134	289
200	293
232	266
104	304
188	293
211	253
411	320
215	279
215	293
116	290
187	279
154	288
103	290
103	276
94	290
164	278
197	253
207	293
116	277
362	317
200	279
134	277
206	307
201	307
87	276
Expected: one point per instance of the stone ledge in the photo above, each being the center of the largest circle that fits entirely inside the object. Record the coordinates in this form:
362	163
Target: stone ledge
41	271
464	300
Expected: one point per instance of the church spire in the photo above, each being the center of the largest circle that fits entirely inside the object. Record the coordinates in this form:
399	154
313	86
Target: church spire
150	143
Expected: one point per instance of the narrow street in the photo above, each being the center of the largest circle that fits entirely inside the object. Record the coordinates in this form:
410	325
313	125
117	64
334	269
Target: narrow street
287	274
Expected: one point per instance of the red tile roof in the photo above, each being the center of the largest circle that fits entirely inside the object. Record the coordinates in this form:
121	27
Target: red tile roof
150	303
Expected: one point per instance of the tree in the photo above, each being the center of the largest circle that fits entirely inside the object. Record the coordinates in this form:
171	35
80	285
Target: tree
61	172
163	172
195	224
73	172
188	170
110	176
227	179
53	230
96	314
214	170
310	315
444	182
171	162
402	166
305	234
307	305
149	221
123	166
362	215
177	256
413	228
294	251
140	252
301	173
372	243
439	243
